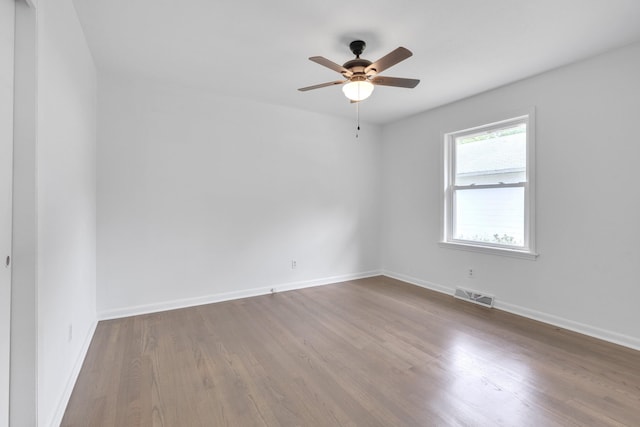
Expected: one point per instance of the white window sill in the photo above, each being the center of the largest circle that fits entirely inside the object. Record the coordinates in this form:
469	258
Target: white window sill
514	253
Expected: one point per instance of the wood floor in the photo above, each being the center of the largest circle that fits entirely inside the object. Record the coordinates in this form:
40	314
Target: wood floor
372	352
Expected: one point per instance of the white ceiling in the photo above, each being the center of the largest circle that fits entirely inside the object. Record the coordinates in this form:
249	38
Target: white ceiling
258	49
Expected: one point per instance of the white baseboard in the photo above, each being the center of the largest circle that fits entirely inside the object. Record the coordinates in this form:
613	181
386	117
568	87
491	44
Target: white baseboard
227	296
419	282
73	377
592	331
581	328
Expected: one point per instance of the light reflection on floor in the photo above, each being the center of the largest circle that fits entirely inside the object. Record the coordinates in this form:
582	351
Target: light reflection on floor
488	384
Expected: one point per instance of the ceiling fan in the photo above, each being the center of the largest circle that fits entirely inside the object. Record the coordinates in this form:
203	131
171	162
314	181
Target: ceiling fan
360	75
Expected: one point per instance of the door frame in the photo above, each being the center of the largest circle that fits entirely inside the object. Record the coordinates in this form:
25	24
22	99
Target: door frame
7	49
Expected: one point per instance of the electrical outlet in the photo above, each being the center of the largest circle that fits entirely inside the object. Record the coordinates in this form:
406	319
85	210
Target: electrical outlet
294	264
470	273
70	335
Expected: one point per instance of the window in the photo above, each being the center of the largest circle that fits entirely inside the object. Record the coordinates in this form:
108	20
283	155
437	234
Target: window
488	201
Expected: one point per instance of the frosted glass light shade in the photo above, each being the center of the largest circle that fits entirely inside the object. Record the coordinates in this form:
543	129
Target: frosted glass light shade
357	90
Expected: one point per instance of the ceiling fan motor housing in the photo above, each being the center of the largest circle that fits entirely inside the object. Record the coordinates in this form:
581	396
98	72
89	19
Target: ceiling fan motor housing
357	66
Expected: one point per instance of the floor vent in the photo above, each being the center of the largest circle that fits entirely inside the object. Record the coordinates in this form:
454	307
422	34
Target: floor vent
475	297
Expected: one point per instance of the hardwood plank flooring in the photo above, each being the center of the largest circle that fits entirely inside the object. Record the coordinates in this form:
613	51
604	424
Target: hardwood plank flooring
371	352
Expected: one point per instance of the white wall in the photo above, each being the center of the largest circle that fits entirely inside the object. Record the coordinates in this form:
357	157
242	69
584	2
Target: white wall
66	195
588	158
202	197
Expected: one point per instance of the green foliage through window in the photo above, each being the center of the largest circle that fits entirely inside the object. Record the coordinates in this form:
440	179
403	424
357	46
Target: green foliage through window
494	135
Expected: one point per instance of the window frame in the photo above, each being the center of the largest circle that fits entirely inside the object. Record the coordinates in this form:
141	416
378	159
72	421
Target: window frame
527	251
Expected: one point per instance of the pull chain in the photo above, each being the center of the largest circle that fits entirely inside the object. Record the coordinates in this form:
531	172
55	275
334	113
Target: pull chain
357	119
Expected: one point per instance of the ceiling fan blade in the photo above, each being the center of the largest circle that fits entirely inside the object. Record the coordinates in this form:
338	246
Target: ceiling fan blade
395	81
330	64
337	82
389	60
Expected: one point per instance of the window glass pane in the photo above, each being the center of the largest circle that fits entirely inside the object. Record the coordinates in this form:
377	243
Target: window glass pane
499	155
492	215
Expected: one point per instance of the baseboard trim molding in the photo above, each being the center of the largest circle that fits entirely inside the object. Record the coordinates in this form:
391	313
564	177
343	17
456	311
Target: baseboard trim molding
561	322
228	296
419	282
73	377
581	328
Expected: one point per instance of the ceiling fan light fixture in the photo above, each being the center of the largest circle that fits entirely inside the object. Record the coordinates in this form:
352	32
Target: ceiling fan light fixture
358	90
362	75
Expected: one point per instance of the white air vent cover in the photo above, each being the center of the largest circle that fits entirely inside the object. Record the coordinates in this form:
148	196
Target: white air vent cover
475	297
